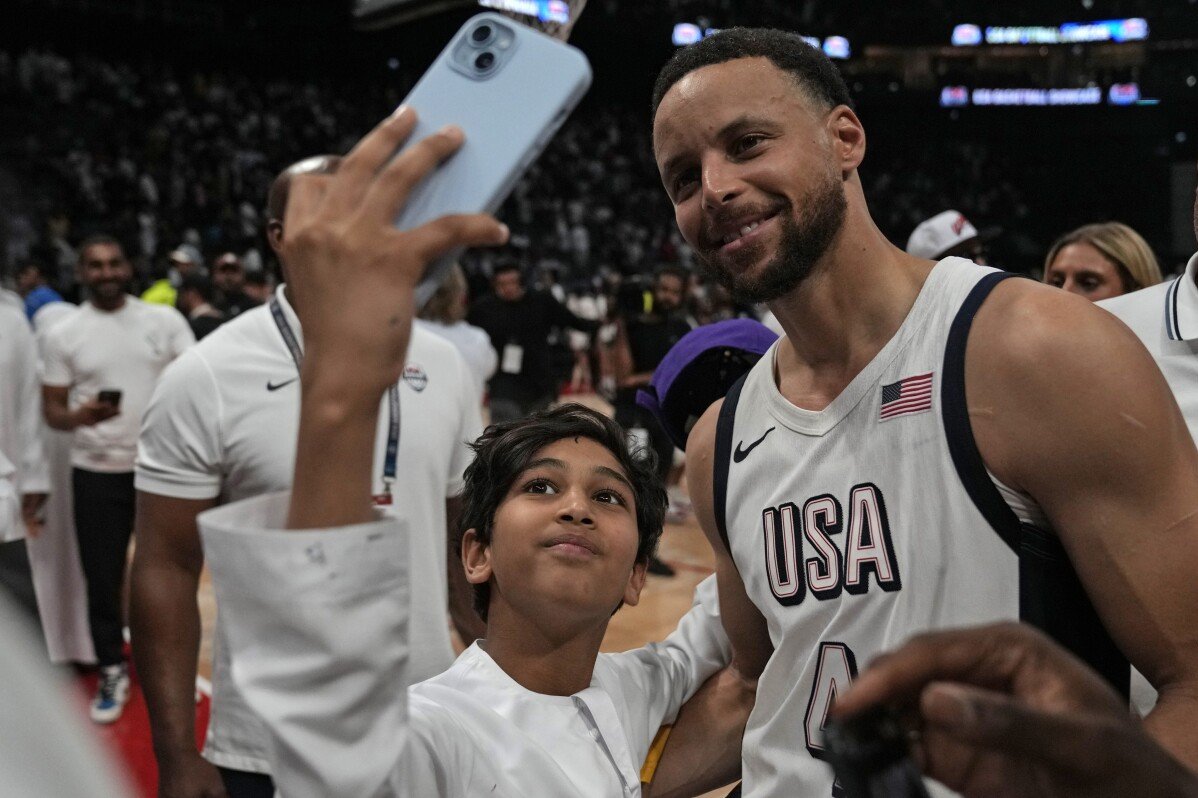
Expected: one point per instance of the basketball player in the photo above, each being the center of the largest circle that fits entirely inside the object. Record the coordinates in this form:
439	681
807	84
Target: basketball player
562	520
930	445
221	427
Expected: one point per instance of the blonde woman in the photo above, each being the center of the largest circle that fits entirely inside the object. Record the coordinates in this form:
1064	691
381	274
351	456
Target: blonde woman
1100	261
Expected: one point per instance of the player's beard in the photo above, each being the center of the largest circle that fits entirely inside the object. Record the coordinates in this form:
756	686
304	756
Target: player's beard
804	239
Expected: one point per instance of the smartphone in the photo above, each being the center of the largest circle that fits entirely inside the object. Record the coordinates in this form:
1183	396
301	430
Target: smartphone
109	396
509	88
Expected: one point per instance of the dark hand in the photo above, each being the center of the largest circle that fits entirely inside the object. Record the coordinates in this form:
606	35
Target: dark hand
190	776
93	412
351	270
1007	712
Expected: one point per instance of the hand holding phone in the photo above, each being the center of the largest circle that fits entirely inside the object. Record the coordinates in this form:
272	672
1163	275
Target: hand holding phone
509	89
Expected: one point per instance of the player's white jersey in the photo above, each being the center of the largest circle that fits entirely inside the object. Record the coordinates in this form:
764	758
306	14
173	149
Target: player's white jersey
860	525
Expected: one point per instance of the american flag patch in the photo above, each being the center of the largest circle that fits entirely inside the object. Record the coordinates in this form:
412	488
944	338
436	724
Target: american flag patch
907	396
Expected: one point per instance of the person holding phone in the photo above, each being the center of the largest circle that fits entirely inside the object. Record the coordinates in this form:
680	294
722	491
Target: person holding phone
560	521
221	427
101	364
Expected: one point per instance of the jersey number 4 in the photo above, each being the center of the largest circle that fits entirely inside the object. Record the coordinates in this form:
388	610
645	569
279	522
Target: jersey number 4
835	672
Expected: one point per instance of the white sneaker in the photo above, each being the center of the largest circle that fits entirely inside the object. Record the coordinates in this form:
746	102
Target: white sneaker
111	694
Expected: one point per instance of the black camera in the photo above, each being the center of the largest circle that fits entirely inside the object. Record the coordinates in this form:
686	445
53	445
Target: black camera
869	754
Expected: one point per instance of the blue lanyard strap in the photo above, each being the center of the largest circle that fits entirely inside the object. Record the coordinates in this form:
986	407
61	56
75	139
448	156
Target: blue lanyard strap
297	354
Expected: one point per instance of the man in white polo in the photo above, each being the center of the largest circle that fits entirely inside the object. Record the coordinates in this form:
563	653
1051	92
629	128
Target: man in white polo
222	427
1165	318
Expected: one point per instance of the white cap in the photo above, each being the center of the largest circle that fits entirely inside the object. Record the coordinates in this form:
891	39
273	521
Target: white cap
941	233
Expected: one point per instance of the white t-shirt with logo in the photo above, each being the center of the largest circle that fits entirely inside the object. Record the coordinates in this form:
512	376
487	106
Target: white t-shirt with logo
126	350
223	424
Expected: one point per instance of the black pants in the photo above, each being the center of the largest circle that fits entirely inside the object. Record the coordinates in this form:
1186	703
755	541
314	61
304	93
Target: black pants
103	524
241	784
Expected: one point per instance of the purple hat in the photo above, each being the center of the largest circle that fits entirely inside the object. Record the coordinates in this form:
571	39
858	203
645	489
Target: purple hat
699	369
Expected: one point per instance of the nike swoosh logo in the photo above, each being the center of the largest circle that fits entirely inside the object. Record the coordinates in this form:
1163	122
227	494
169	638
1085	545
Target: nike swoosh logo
741	454
273	386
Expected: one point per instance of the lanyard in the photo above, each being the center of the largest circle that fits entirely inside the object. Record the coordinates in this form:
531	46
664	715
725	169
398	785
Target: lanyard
297	354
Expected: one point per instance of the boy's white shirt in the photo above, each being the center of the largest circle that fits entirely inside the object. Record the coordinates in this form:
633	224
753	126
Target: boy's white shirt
318	630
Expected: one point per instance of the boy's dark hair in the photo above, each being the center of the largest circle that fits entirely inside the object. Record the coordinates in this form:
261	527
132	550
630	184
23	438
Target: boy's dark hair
670	270
809	67
506	449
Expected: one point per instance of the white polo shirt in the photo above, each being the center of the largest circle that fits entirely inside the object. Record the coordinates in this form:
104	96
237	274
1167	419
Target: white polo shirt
93	350
1165	318
223	424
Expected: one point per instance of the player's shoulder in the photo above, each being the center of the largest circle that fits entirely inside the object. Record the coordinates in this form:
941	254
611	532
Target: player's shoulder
1022	320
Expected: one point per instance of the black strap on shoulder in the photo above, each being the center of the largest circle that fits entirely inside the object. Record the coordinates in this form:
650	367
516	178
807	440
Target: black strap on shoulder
1051	596
961	445
723	458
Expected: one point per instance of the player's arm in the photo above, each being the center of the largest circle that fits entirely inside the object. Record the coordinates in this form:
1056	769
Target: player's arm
1067	405
165	622
461	598
743	622
702	751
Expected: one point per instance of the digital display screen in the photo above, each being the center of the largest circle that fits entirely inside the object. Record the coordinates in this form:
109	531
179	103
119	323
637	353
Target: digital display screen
544	10
1111	30
1117	94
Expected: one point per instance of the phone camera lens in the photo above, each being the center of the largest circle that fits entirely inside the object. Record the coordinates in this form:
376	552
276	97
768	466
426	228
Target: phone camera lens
481	34
484	61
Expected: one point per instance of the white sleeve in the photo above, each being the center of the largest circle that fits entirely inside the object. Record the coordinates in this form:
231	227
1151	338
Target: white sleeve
33	472
181	335
12	526
317	627
665	675
470	426
179	450
56	370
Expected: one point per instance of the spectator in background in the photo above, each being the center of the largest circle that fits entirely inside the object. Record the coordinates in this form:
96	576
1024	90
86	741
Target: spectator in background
948	234
228	277
113	342
196	296
164	290
445	315
258	287
33	288
1100	261
518	322
21	447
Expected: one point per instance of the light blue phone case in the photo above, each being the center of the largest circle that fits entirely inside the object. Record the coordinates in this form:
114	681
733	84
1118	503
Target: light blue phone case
508	113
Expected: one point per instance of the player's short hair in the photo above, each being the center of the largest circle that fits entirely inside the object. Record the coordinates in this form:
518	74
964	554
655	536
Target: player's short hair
506	449
810	68
1121	245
